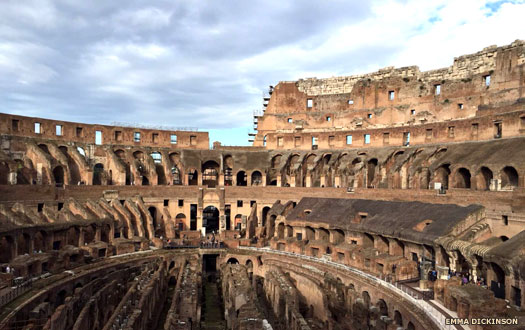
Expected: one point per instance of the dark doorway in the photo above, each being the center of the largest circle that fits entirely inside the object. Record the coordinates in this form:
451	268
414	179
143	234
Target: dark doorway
58	173
227	216
193	217
241	178
193	178
210	219
209	263
98	171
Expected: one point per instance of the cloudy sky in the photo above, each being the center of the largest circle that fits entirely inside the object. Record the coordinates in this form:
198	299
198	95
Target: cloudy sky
205	63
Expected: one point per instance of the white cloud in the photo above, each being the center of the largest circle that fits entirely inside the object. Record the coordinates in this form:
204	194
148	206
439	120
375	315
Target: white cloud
150	18
206	64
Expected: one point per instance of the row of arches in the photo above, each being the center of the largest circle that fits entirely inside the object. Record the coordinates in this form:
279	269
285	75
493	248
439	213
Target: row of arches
463	178
402	169
12	245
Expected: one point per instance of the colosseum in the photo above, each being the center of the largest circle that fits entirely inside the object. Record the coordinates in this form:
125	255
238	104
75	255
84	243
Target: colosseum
389	200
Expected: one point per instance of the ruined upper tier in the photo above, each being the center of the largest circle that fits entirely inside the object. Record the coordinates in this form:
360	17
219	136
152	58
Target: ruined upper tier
479	97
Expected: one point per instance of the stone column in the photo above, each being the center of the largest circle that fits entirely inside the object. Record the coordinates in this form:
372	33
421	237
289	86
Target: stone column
98	234
337	181
425	268
308	181
12	178
81	237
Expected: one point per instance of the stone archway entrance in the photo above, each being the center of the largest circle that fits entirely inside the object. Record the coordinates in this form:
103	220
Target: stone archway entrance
210	219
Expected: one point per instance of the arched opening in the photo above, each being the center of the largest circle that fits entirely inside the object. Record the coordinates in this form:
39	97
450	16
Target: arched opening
74	171
497	285
383	308
180	221
145	180
232	261
289	231
157	157
4	173
338	236
271	226
280	230
210	219
89	234
228	170
368	240
398	318
256	178
159	169
128	174
441	175
193	178
104	233
121	154
509	178
24	242
323	235
276	161
175	175
462	263
238	222
366	298
39	241
249	268
6	249
462	178
60	298
309	233
210	173
241	178
157	225
484	178
309	174
98	173
138	155
371	172
411	326
23	172
265	211
58	174
44	148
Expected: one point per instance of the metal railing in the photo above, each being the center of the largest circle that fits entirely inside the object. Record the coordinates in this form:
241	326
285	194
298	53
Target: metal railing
156	127
14	291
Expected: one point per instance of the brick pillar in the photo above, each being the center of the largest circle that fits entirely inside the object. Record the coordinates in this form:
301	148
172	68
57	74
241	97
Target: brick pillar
98	234
81	237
